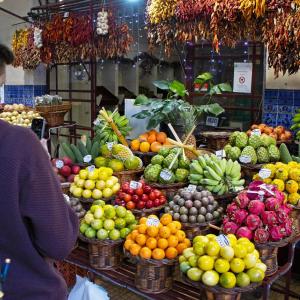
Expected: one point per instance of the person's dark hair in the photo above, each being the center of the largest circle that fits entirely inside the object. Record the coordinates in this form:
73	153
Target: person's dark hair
6	55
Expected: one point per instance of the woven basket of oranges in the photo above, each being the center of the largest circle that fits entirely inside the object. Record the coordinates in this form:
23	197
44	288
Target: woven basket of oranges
154	246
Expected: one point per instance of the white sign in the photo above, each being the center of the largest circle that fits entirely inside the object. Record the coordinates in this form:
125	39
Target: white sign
191	188
237	189
165	174
264	173
97	122
220	154
110	145
242	80
135	184
87	158
91	168
256	132
212	121
245	159
222	240
59	164
152	222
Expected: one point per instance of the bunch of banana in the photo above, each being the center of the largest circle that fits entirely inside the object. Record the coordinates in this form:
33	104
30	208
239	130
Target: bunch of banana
296	124
111	127
250	7
216	175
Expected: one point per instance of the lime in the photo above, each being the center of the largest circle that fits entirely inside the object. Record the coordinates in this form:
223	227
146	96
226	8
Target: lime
212	248
211	237
87	194
88	218
184	266
188	252
129	217
206	263
102	234
121	211
97	224
250	260
210	278
200	239
90	233
109	224
242	279
240	250
222	265
114	234
109	211
97	194
232	239
227	252
99	213
228	280
194	274
182	259
94	207
256	275
199	248
193	260
83	227
120	223
261	266
124	232
237	265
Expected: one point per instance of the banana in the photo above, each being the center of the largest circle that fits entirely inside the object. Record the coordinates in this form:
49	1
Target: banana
196	167
209	182
238	182
223	165
207	175
213	174
217	169
217	188
222	191
236	169
229	165
202	162
209	188
195	177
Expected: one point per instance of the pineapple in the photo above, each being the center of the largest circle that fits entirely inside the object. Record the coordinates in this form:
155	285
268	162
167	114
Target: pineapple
121	152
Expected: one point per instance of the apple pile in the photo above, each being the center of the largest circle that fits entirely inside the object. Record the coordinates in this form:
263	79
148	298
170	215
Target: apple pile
65	169
142	197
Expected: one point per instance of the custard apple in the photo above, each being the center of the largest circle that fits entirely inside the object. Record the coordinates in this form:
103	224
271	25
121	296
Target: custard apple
164	151
274	153
241	140
262	155
227	149
168	160
163	180
184	163
234	153
254	141
267	140
232	138
181	175
152	172
250	151
157	160
175	151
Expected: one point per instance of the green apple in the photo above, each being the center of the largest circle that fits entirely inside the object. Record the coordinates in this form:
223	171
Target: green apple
109	224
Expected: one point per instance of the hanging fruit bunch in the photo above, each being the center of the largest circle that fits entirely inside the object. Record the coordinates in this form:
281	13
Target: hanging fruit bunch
19	43
161	10
250	7
102	23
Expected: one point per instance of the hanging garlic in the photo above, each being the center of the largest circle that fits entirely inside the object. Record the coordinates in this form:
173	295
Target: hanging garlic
102	23
38	42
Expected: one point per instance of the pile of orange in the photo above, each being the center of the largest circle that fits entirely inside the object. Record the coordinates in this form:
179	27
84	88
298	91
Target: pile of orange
150	141
166	240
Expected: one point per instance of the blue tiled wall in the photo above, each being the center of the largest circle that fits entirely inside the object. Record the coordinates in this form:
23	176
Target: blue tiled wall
280	106
23	93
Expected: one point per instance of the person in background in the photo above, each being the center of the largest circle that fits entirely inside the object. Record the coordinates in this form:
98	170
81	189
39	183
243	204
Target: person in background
37	225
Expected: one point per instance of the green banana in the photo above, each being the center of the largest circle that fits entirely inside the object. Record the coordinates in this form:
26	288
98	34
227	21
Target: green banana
209	182
207	175
209	188
217	188
213	174
68	151
202	162
236	169
88	145
217	169
238	182
77	153
195	177
229	165
82	148
195	166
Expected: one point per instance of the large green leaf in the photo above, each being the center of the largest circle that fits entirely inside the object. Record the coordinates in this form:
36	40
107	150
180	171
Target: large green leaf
162	84
215	90
141	100
204	77
214	108
225	87
142	114
178	88
155	121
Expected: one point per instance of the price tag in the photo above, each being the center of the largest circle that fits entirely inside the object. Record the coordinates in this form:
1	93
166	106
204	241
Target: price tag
87	158
152	222
97	122
91	168
260	194
245	159
264	173
212	121
110	145
59	164
267	188
256	132
220	154
135	184
222	240
237	189
191	188
166	174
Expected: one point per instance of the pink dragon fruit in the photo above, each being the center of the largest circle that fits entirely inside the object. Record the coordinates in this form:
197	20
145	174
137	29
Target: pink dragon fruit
272	203
285	207
231	208
226	219
242	199
254	185
279	195
253	222
230	227
269	218
288	227
261	235
269	190
282	216
277	233
239	216
256	207
244	232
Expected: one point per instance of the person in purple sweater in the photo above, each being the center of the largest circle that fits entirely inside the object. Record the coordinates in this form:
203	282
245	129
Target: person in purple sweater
36	224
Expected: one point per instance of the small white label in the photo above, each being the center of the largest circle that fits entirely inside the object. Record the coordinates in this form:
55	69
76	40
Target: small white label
152	222
267	188
135	184
67	198
191	188
220	154
87	158
110	145
256	132
264	173
238	188
66	14
222	240
212	121
165	174
97	122
91	168
59	164
245	159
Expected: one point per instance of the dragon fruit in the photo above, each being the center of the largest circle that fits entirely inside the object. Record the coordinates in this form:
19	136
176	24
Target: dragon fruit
286	208
255	185
244	232
261	235
231	208
230	227
277	233
269	218
225	219
242	200
282	216
239	216
288	227
279	195
256	207
253	222
272	203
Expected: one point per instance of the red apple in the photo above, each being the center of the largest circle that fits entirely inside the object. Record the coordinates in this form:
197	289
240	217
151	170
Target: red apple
130	191
135	198
67	161
147	189
149	204
156	202
162	200
141	205
65	171
152	196
71	178
142	181
139	192
125	187
130	205
75	170
144	198
127	198
157	193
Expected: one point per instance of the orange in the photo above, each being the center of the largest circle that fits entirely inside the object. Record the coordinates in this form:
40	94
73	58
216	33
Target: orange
128	243
129	237
144	147
180	247
151	243
173	241
178	224
187	242
164	232
155	146
145	253
158	254
180	235
152	131
141	239
152	231
166	219
162	244
167	143
161	137
171	253
135	249
143	220
134	234
135	145
142	228
172	227
143	137
151	138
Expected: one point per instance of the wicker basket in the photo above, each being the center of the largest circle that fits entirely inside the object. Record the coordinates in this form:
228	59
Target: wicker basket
192	230
104	255
248	171
145	156
216	140
153	276
147	212
168	189
65	187
296	218
127	176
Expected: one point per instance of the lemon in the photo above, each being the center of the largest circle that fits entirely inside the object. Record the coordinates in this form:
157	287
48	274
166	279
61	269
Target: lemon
250	260
89	184
199	248
237	265
193	260
240	250
201	239
107	193
211	237
210	278
114	179
256	253
232	239
116	187
242	240
256	275
87	194
182	259
228	280
250	246
77	192
261	266
97	194
93	175
227	252
222	265
103	175
100	185
206	263
83	174
212	248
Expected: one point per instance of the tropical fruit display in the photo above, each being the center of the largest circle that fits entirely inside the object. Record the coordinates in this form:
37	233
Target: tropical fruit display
140	196
286	177
104	222
150	141
259	214
157	239
296	124
65	169
168	166
93	183
194	207
279	133
218	176
256	149
226	261
85	151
